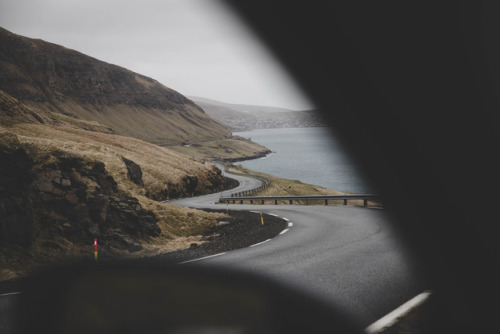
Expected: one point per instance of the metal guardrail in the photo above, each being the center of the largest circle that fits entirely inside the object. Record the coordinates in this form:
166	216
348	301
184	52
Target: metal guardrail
290	199
242	195
265	182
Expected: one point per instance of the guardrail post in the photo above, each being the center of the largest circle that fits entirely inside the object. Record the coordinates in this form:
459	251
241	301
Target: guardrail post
365	202
275	202
326	202
345	201
262	202
251	201
291	201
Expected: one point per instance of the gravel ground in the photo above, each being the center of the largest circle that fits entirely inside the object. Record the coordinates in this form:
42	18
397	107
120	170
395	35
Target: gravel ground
241	230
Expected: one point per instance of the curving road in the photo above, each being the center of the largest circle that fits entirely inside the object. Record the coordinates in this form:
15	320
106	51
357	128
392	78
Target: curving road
347	256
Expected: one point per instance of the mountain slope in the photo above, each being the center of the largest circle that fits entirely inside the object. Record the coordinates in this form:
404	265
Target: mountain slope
52	78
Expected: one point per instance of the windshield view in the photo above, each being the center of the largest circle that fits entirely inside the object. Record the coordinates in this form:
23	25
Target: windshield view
177	167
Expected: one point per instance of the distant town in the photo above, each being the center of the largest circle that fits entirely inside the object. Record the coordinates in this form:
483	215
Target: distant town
243	117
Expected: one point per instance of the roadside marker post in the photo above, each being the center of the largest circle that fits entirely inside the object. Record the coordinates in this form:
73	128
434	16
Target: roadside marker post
95	249
261	218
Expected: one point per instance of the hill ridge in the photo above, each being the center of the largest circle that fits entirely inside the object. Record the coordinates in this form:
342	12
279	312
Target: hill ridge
51	77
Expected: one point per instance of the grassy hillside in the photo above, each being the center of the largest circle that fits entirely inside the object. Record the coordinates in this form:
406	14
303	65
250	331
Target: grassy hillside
60	187
52	78
233	149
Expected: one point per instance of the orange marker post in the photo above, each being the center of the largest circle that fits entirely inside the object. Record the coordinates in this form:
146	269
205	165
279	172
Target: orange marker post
95	249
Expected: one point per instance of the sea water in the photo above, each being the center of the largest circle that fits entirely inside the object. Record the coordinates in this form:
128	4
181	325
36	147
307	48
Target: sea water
310	155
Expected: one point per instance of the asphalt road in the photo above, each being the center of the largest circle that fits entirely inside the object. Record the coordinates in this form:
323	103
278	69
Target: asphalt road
346	256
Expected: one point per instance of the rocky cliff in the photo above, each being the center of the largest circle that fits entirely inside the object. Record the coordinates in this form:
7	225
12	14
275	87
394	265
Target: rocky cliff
59	195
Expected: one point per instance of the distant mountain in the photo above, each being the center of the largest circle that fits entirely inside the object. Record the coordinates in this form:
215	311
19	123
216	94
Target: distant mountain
239	117
238	107
49	77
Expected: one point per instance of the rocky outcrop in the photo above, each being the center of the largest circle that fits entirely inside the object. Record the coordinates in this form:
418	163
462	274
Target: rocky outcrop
134	171
192	185
59	194
16	213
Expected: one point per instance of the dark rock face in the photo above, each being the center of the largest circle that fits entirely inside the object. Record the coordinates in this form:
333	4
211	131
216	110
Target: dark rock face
190	183
63	195
134	171
16	214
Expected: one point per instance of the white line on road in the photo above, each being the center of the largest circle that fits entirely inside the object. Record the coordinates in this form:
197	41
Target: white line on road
290	224
391	318
272	214
203	258
286	219
260	243
284	231
11	293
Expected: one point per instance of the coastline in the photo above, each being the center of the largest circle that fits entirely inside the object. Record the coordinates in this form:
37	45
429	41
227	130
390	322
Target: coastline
311	155
251	157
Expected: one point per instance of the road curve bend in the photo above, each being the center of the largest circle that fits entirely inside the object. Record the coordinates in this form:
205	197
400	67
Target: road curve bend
346	256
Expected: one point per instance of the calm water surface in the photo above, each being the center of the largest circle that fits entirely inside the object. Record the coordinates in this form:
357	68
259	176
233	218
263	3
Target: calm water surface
309	155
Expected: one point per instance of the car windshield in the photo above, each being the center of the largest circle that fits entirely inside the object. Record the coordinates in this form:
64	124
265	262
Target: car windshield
324	148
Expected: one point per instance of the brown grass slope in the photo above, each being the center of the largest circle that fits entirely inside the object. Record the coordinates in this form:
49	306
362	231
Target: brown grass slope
60	187
53	78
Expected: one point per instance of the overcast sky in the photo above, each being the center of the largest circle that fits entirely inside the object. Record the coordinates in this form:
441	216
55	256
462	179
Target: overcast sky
196	47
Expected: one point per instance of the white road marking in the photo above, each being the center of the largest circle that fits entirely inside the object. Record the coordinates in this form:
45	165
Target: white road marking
272	214
260	243
203	258
391	318
284	231
286	219
11	293
290	224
